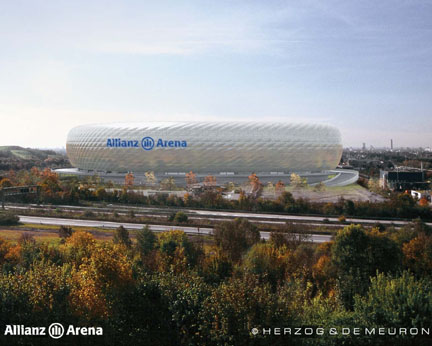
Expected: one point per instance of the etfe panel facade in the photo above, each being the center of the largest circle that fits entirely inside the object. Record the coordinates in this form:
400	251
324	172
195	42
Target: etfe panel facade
204	147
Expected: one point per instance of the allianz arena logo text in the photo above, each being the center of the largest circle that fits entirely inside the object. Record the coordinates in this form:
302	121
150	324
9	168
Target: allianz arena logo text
147	143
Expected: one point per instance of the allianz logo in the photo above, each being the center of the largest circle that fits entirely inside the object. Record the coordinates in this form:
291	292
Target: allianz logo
147	143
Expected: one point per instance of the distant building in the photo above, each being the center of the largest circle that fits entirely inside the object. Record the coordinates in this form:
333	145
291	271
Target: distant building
403	180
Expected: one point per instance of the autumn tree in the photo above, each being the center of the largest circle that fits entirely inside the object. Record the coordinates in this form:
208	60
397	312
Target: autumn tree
268	262
5	182
319	187
297	181
235	237
256	185
79	246
423	202
279	187
210	180
418	254
190	178
104	274
101	194
129	180
168	183
177	253
150	177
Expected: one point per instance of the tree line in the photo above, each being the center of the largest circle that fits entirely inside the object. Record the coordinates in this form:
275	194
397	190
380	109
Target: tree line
72	191
169	289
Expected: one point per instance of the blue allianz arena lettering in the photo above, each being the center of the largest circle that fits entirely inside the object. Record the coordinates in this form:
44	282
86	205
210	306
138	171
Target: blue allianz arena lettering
120	143
171	144
147	143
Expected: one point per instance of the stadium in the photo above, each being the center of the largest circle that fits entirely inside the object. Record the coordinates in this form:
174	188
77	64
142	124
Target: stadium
229	151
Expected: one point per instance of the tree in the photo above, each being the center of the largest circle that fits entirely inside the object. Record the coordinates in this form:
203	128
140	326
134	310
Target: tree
235	237
65	232
180	217
319	187
150	177
270	188
357	255
121	236
256	185
146	241
101	277
401	302
280	187
101	194
177	253
129	179
418	254
168	184
235	307
79	246
210	180
268	262
190	178
5	182
297	181
8	219
423	202
373	185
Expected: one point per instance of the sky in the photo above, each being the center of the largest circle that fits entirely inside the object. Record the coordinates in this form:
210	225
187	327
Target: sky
363	66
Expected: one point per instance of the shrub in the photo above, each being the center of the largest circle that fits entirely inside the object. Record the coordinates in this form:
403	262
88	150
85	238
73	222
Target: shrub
8	219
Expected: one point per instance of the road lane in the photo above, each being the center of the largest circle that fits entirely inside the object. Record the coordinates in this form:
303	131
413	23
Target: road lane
317	238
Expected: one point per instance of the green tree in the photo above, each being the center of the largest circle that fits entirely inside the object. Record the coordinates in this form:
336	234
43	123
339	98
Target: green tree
235	237
121	236
146	241
8	219
401	302
180	217
357	255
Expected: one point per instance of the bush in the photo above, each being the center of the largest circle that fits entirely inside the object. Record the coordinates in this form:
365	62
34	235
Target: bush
65	231
342	219
180	217
8	219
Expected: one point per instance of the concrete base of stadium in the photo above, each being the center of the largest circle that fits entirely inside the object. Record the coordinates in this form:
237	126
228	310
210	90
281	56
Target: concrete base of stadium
336	177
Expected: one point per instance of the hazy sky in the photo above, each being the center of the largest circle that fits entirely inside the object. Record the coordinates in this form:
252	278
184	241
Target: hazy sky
364	66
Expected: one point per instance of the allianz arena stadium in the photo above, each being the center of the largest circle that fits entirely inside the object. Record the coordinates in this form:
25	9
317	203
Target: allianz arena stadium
228	150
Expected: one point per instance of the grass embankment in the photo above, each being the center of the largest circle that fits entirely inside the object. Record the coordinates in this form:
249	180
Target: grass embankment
49	233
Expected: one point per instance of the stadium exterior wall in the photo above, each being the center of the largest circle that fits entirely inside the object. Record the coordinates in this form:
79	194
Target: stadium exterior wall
204	147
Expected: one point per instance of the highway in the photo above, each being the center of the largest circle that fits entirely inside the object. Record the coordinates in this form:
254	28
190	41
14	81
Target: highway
214	214
316	238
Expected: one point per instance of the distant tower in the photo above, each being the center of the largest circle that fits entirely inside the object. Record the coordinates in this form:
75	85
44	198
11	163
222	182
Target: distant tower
391	144
364	146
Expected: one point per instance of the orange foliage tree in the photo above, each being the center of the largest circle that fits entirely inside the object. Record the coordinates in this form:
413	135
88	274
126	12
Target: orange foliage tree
129	179
105	272
191	178
418	254
423	202
210	180
280	187
255	183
